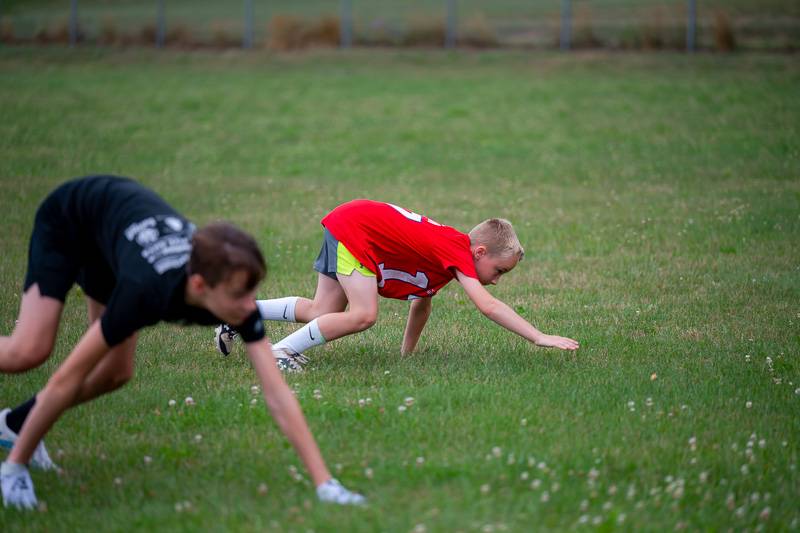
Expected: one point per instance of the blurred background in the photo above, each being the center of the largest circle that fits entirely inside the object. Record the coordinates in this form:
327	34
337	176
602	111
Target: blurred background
721	25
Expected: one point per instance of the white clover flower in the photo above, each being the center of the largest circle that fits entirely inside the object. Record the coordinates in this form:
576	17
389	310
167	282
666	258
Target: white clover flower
368	473
762	443
583	519
409	401
542	466
612	490
485	488
368	401
401	409
117	481
748	404
254	389
148	459
745	470
621	518
189	400
198	437
764	514
524	421
607	506
254	401
740	512
419	528
536	483
703	477
263	488
524	476
593	473
649	402
420	460
545	497
755	497
361	402
497	451
597	520
172	403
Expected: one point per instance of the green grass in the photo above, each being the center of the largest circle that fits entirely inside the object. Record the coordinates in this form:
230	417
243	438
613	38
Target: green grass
658	198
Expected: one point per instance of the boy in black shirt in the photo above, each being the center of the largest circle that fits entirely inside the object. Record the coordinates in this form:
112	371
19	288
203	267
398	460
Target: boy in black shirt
139	262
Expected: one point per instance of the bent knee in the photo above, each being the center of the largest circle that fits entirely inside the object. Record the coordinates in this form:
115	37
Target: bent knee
364	320
27	355
119	378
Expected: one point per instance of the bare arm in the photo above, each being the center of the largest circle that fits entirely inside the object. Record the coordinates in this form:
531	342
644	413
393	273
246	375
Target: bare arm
286	410
503	315
60	393
418	313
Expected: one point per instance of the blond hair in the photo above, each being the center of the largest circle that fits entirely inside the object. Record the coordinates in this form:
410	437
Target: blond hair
499	238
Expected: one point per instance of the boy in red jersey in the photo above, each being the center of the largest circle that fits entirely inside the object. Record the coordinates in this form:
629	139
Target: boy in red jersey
375	248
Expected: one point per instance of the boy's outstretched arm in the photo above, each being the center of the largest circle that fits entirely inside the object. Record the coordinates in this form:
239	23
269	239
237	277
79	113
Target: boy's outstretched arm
418	312
502	314
287	413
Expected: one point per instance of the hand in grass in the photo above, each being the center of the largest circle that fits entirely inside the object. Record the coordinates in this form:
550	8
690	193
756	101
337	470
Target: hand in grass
554	341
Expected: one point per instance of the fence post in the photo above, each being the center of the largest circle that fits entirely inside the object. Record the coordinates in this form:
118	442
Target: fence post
247	37
73	22
565	40
160	24
346	24
691	26
450	35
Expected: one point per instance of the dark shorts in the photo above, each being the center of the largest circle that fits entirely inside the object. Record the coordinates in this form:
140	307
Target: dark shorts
326	260
59	256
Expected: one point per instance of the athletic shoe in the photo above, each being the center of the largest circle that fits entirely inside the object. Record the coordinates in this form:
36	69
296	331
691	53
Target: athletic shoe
224	335
289	361
41	459
17	486
333	492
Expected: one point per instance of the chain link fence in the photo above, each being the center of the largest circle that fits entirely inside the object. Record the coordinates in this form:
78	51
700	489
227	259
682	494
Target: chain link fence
285	24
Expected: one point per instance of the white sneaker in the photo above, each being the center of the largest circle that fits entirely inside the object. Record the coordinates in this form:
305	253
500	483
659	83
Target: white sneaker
289	361
17	486
334	492
41	459
224	336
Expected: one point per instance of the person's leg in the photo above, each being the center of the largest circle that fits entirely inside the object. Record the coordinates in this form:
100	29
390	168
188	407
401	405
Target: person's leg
361	293
329	298
116	367
112	372
34	335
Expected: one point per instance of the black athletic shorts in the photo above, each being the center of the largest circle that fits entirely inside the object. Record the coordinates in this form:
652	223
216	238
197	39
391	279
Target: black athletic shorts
59	255
326	260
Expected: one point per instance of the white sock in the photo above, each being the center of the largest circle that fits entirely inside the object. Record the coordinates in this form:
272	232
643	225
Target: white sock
281	309
304	338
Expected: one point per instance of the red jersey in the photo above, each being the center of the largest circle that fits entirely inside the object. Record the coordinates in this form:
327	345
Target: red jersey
411	255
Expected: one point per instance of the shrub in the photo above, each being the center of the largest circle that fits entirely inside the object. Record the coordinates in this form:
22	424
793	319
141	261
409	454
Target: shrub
224	35
6	30
724	38
425	31
476	31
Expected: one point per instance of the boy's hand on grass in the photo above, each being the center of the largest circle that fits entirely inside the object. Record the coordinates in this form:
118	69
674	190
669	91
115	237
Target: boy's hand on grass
17	486
554	341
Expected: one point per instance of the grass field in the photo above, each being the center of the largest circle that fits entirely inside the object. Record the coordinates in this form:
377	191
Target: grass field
657	196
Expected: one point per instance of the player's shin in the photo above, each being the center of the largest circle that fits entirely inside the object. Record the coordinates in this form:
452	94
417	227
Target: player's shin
280	309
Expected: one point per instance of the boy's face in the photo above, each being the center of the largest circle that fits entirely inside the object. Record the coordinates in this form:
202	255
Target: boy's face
230	300
491	267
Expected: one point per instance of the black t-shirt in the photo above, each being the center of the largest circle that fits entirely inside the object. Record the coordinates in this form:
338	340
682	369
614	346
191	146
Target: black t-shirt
146	244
